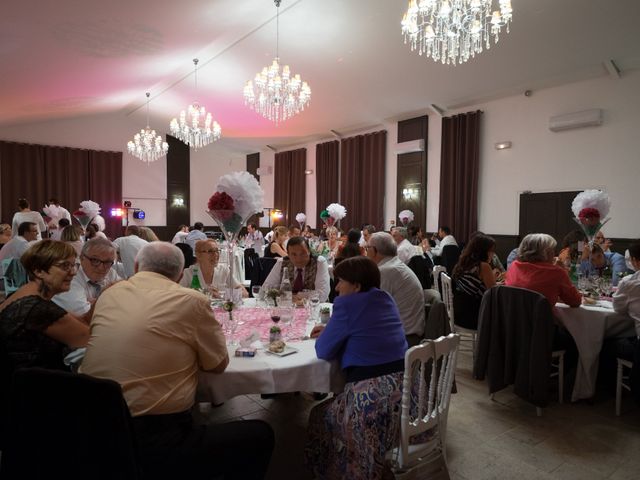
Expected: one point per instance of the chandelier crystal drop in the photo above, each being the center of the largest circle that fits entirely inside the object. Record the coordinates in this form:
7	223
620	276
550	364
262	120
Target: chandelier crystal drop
146	145
274	93
195	126
452	31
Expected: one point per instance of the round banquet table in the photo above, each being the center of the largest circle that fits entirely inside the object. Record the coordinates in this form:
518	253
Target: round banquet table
267	373
589	325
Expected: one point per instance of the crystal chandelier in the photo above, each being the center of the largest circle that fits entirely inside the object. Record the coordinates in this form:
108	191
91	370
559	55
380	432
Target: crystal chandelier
274	95
452	31
146	145
195	127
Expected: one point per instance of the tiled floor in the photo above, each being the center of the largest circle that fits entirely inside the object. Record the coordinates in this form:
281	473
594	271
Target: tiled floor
501	439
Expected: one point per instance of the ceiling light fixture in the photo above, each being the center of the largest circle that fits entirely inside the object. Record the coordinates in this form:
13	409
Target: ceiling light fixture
196	127
146	145
452	31
274	95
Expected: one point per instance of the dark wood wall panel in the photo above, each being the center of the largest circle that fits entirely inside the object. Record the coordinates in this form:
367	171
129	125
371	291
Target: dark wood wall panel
178	183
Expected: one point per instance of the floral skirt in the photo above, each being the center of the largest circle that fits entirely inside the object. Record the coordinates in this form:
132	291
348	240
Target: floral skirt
350	434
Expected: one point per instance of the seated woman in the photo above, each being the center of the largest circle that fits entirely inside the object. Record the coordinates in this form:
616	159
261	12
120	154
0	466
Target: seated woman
351	248
350	433
34	331
473	276
72	235
536	269
212	275
307	232
333	243
276	248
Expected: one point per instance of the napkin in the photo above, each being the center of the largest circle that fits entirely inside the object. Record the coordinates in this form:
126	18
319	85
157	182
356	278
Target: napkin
246	342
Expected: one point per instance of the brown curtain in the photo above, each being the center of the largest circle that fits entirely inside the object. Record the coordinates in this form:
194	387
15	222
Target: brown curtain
23	176
105	185
38	172
327	175
362	177
459	167
290	183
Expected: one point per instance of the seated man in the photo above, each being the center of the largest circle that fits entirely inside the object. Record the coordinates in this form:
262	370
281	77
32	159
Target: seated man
405	249
443	238
95	273
597	261
128	247
399	281
626	301
197	233
14	248
181	234
152	336
254	238
306	272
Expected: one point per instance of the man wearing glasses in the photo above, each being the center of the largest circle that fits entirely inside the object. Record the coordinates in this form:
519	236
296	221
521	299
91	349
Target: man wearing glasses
95	274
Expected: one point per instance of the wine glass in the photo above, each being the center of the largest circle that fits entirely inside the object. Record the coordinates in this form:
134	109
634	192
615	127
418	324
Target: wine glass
286	316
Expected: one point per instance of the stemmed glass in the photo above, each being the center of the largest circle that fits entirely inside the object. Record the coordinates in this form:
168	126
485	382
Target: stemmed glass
256	291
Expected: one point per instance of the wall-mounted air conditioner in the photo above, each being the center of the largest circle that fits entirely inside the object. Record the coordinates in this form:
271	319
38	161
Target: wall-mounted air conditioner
586	118
409	147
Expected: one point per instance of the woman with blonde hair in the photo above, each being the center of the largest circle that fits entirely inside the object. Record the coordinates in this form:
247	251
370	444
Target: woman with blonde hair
333	243
72	235
277	247
147	234
5	233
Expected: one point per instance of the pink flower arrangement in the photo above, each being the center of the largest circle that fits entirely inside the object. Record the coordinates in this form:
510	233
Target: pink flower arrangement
222	204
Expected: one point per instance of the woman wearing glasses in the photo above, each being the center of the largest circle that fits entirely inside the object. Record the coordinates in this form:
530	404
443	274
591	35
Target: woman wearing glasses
34	331
212	275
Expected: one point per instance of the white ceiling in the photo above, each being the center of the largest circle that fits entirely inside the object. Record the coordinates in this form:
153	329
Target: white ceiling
72	58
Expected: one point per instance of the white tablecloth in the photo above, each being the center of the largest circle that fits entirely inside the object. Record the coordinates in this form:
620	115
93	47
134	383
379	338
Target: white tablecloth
266	373
589	326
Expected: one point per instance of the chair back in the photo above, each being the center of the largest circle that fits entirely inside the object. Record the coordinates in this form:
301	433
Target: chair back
61	422
187	251
261	270
422	267
437	270
447	298
450	256
13	275
426	392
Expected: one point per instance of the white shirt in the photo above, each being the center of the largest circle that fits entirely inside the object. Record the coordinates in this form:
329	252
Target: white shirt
64	213
33	217
269	237
192	237
128	248
254	240
14	248
322	278
401	283
626	300
78	299
406	250
448	240
179	237
219	281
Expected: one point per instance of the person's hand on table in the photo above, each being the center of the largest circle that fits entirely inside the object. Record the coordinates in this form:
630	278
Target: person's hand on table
317	330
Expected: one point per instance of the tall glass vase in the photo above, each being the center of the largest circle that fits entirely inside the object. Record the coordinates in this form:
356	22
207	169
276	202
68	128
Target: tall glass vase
591	227
230	224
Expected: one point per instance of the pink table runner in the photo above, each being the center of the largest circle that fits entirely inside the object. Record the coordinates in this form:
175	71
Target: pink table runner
249	319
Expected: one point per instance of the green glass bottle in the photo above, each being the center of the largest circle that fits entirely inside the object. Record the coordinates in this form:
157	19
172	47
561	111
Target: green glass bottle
195	280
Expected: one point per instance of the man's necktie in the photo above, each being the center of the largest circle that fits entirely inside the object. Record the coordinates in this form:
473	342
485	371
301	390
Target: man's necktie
298	283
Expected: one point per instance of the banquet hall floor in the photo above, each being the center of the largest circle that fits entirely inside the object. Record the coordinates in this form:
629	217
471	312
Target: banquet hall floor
486	439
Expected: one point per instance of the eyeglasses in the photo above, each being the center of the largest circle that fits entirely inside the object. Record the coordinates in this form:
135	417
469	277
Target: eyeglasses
210	252
96	262
66	266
